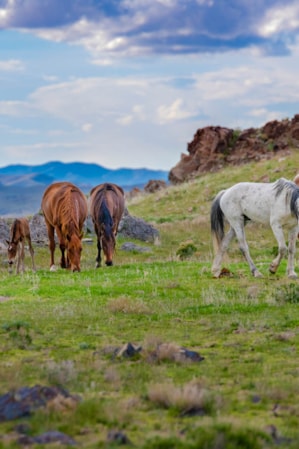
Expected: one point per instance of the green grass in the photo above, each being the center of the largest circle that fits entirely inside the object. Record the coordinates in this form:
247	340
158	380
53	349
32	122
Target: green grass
63	328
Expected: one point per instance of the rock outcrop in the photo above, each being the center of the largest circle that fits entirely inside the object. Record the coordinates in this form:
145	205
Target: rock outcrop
154	185
214	147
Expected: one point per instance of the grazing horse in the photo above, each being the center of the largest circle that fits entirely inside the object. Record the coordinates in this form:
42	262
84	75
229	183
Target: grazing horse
19	232
275	204
65	210
106	207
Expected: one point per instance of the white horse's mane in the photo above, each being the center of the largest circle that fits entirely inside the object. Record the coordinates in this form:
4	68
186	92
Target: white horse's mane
283	184
291	191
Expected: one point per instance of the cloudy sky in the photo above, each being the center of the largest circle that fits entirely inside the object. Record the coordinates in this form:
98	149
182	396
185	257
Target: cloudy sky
126	83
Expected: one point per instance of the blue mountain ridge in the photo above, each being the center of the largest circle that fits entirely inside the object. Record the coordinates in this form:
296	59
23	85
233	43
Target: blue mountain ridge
22	186
82	174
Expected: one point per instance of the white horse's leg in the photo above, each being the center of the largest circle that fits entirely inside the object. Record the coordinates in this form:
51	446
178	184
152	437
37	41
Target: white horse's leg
293	233
240	234
216	266
282	248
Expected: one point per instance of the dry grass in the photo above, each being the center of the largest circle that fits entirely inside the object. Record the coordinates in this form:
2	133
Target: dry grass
61	373
191	398
127	306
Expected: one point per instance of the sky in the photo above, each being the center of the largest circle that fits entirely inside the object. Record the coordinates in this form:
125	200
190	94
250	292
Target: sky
127	83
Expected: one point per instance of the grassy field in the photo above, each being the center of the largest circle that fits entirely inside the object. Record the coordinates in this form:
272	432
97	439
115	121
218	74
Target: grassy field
64	329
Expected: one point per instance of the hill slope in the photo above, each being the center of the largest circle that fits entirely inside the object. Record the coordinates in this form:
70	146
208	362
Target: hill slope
122	341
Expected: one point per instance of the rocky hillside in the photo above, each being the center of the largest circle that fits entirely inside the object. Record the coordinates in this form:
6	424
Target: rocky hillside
214	147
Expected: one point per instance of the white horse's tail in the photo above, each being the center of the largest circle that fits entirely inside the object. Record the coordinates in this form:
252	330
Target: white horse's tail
217	221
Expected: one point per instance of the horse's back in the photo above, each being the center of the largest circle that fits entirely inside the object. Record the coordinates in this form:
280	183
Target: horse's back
56	187
113	196
52	193
25	226
55	196
20	228
106	187
255	200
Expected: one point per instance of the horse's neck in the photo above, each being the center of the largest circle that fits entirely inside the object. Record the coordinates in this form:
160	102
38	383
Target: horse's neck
71	227
16	236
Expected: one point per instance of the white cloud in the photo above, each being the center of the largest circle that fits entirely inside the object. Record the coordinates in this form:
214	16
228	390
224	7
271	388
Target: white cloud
131	28
280	19
16	109
125	120
103	107
174	111
143	110
11	65
87	127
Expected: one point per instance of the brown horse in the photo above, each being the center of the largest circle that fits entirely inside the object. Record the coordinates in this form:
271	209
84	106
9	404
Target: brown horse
65	210
19	232
106	207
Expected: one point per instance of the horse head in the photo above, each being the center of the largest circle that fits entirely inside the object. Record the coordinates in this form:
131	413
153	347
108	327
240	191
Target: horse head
74	249
107	239
11	251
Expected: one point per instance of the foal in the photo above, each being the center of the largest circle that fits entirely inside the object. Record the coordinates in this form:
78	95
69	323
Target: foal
19	232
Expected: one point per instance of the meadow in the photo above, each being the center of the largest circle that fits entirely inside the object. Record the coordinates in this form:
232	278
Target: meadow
64	329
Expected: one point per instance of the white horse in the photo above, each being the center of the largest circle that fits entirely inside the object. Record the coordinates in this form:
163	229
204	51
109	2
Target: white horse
275	204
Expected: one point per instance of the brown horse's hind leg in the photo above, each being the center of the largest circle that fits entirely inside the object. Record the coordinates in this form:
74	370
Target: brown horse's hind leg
20	256
31	250
63	262
98	259
52	245
62	247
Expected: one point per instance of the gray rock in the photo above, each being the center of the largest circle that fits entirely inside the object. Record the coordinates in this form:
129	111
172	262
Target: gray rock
137	228
4	230
130	246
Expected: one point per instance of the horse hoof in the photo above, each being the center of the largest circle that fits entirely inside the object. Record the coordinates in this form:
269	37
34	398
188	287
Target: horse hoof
293	276
53	268
257	274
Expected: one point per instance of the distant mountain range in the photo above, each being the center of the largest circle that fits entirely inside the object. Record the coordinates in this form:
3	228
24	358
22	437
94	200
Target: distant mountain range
22	186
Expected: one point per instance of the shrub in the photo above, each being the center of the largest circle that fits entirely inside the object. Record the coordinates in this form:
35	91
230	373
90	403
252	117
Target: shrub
288	293
186	249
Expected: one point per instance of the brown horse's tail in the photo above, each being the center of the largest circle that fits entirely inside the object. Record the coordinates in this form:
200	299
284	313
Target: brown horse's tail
217	221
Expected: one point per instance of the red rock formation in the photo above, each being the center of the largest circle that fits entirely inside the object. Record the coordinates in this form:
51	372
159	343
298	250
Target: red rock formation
213	147
154	185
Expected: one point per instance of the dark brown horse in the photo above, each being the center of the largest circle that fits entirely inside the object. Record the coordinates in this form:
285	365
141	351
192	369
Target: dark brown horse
19	232
106	207
65	210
